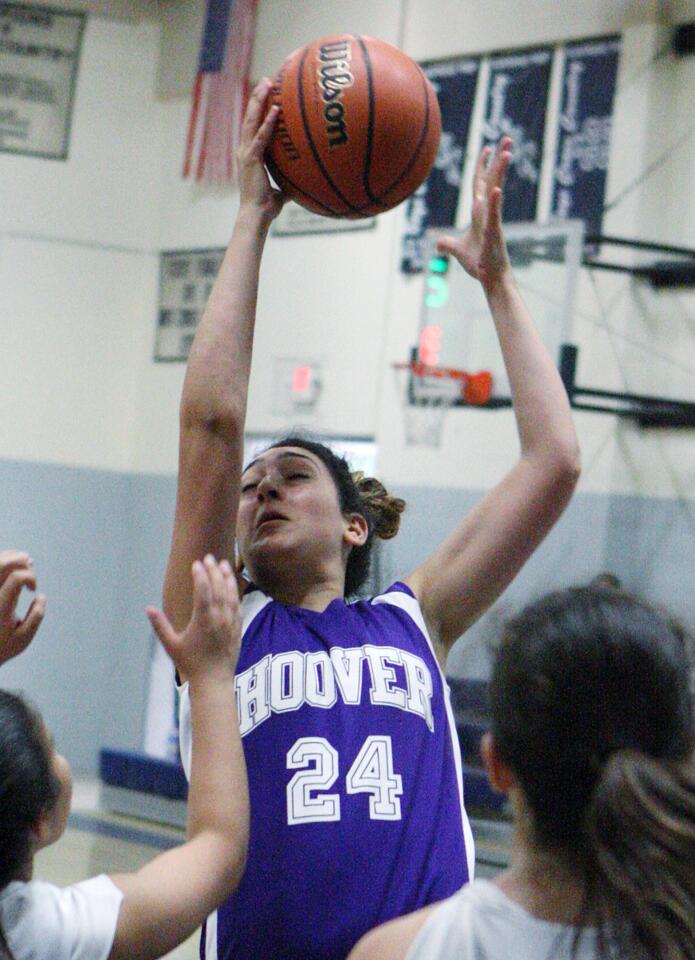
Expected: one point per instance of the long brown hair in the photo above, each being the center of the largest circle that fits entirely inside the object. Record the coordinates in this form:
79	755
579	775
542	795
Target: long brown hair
591	709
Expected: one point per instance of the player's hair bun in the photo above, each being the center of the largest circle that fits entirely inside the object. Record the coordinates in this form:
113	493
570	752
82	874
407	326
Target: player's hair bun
384	509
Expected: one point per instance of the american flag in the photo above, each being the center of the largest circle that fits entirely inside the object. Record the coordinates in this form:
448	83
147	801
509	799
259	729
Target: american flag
220	91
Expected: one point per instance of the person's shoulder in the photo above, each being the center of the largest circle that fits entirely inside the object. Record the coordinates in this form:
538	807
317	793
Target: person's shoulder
399	596
60	918
397	587
21	898
392	940
480	920
476	897
444	926
31	913
433	931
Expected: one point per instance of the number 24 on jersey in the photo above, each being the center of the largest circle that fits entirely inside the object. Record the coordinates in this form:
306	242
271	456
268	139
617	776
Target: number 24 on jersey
317	763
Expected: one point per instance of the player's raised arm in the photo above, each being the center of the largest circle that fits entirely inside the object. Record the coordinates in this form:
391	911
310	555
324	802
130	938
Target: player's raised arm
481	557
168	898
213	403
16	633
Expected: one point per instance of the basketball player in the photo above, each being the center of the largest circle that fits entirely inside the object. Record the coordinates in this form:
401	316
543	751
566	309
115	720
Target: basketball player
133	916
354	765
591	738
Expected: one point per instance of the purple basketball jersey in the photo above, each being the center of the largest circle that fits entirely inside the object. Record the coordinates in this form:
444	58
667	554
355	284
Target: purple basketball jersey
354	775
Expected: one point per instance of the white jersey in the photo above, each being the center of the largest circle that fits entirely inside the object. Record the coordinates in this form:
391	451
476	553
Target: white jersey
43	922
481	923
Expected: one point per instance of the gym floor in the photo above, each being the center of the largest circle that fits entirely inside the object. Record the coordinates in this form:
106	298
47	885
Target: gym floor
97	841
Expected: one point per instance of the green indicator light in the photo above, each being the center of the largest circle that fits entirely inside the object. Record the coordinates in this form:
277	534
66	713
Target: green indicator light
437	292
439	265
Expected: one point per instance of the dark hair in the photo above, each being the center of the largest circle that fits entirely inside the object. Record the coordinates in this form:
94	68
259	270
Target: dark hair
591	710
356	494
28	786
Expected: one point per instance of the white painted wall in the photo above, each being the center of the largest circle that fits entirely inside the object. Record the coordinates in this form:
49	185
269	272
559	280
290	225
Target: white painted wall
72	349
77	267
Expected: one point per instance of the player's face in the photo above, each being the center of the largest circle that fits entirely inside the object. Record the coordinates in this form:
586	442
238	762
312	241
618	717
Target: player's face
289	510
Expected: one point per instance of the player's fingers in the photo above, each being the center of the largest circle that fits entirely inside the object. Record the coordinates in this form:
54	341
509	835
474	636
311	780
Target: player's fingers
166	634
259	94
265	131
494	209
480	175
13	560
255	107
481	182
14	557
13	586
26	630
218	587
202	588
446	244
483	160
231	585
231	591
500	165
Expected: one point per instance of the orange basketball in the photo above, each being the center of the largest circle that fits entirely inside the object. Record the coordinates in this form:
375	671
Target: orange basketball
358	128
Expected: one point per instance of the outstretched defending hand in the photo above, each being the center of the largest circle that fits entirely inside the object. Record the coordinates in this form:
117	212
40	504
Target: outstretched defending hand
212	638
481	250
16	633
255	188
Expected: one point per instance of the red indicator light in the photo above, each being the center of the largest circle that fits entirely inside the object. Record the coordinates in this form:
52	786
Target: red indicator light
301	380
430	345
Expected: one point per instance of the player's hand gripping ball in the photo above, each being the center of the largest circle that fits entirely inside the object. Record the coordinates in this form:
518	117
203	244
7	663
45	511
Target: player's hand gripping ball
358	129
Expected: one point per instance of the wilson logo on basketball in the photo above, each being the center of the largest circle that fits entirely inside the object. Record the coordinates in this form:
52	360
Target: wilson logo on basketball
334	77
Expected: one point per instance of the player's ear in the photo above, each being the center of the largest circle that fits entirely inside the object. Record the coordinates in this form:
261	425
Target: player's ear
43	832
499	774
356	530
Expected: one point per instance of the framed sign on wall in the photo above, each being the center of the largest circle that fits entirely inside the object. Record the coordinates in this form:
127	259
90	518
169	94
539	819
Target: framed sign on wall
185	281
39	57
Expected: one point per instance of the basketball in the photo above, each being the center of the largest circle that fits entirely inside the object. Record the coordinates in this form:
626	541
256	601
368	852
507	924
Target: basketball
358	128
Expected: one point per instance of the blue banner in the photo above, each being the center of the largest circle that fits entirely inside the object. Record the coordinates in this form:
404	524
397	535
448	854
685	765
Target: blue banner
435	201
584	130
516	104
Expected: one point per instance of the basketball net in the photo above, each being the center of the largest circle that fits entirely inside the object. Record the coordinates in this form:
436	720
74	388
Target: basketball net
428	392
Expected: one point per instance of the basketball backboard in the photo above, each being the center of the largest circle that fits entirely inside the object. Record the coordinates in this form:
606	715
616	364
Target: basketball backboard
456	330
